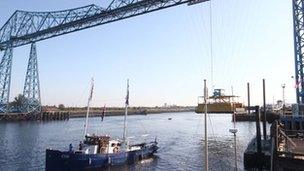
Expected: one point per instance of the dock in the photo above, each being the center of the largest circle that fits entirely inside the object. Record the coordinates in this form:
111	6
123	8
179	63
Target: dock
43	116
282	150
244	117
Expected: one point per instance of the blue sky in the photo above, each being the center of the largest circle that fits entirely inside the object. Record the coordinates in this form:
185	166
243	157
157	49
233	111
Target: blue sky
165	54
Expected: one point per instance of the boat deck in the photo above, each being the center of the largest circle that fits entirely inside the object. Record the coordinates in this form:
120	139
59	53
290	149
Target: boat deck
299	148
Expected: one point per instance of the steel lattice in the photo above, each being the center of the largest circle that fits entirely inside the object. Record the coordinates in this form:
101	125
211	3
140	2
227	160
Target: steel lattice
298	14
31	89
25	27
5	78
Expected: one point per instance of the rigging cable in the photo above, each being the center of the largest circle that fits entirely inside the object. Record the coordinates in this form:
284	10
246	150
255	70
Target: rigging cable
202	28
234	131
81	96
212	71
211	42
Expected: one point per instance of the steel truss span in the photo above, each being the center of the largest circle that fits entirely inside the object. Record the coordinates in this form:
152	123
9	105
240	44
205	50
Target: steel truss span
25	27
298	21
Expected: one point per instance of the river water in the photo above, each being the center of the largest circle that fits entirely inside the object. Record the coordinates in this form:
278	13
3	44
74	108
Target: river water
23	144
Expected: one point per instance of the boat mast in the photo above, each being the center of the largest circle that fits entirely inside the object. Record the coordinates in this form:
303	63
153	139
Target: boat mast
126	114
234	130
206	135
88	108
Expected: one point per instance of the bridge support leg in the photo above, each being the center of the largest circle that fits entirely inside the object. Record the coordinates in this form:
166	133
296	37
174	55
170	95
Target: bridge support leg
5	79
298	24
31	89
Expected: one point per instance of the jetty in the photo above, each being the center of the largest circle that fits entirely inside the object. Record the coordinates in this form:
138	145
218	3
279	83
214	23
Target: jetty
43	116
282	150
251	117
249	114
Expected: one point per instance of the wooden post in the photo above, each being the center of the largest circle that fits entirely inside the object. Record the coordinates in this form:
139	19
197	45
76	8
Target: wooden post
258	135
248	96
264	112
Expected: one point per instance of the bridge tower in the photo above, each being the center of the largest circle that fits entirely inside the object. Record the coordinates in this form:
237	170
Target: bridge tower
298	24
31	89
5	78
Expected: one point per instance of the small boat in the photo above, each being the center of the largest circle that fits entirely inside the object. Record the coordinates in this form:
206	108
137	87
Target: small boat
97	152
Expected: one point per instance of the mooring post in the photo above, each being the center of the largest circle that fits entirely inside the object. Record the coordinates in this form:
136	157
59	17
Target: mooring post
274	144
264	112
248	96
258	138
258	134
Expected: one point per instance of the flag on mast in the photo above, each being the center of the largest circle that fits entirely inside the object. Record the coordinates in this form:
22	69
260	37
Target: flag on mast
127	97
103	112
92	89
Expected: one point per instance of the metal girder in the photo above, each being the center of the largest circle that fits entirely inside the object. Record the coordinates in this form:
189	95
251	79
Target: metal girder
5	78
31	90
25	27
298	22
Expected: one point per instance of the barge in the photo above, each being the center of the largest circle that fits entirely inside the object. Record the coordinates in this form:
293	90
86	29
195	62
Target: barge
220	103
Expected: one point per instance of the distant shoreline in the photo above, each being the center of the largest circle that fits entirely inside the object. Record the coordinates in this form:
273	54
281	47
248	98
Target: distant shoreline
54	113
97	112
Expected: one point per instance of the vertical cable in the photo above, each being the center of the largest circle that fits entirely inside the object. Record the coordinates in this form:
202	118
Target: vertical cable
211	43
211	59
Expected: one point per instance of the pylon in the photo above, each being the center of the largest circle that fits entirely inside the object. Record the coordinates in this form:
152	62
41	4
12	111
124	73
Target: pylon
31	89
5	79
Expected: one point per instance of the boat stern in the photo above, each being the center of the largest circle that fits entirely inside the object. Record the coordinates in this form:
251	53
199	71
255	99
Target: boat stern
56	160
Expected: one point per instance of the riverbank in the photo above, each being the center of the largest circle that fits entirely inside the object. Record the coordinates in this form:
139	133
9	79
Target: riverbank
116	111
54	113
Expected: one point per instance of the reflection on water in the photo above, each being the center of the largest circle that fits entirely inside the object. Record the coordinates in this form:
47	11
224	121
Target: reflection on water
22	145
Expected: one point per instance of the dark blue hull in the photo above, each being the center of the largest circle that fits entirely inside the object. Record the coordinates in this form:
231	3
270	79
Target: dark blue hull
64	160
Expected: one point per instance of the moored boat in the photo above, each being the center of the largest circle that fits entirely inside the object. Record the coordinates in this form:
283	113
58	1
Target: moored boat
99	151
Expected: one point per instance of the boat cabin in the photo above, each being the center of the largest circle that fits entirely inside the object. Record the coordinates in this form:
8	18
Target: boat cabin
114	146
94	144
